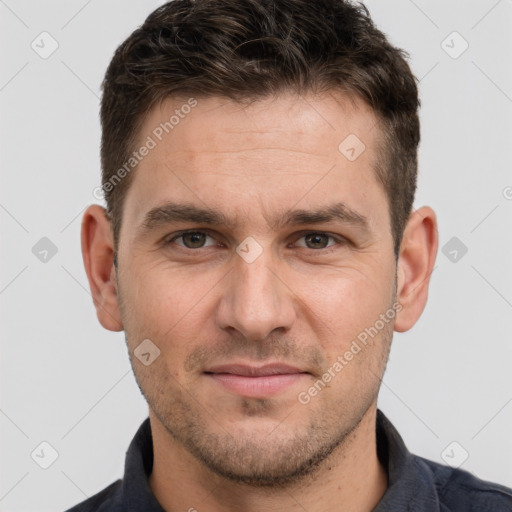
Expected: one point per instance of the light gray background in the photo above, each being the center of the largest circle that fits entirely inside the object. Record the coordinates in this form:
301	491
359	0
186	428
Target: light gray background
67	381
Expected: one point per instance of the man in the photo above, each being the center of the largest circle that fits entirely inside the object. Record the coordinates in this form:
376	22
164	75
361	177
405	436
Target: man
259	248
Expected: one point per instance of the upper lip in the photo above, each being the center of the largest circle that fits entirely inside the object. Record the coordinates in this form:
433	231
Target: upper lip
255	371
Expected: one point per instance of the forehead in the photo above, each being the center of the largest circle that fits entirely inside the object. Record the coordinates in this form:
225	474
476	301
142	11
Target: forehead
255	157
288	119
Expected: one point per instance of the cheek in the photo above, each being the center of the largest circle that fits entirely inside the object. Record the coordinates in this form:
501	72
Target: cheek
167	295
176	306
346	301
169	306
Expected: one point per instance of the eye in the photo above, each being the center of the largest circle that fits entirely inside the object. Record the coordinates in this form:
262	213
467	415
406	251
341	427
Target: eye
198	240
191	239
318	240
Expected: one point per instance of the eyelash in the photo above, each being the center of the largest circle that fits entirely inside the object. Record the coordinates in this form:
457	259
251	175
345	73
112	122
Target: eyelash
339	239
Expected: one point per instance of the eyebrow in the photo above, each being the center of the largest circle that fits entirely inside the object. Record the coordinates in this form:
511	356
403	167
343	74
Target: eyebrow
171	212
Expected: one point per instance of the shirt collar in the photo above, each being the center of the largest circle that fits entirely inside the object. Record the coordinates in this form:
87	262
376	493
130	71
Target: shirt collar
136	492
410	483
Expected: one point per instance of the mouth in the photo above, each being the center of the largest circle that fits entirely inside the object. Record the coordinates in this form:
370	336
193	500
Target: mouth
256	381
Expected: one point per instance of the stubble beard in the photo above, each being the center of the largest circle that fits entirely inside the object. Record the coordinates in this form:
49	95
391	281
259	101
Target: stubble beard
285	456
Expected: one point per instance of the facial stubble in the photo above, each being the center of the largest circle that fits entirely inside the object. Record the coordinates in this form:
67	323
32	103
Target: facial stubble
282	457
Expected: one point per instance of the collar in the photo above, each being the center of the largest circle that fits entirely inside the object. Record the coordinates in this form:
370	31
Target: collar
410	481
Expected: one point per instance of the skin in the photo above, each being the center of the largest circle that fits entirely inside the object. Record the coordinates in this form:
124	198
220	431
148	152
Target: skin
301	302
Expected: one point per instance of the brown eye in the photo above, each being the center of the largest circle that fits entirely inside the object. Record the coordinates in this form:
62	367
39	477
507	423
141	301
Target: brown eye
317	240
192	239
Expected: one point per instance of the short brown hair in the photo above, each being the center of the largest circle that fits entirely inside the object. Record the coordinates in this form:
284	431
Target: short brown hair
250	49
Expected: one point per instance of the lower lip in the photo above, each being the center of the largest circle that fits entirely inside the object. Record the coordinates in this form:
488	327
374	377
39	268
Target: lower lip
256	387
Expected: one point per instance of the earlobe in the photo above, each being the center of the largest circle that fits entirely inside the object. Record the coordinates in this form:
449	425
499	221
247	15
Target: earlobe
98	257
415	264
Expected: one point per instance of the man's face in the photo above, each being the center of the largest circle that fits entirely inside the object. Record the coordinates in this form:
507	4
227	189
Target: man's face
249	315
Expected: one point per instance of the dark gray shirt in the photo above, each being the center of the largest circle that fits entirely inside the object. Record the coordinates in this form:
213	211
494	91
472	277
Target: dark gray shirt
415	484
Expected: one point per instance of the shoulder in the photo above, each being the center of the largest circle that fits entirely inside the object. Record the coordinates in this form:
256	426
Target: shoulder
107	500
459	490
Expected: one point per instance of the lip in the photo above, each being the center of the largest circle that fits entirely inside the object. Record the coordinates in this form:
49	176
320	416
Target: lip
247	370
255	381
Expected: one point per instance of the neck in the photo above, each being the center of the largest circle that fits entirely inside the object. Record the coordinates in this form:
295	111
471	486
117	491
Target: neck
350	479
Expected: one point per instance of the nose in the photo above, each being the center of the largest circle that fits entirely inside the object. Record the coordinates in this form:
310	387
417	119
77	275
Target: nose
256	299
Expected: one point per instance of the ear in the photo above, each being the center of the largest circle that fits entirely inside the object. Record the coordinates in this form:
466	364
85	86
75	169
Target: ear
415	264
98	256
